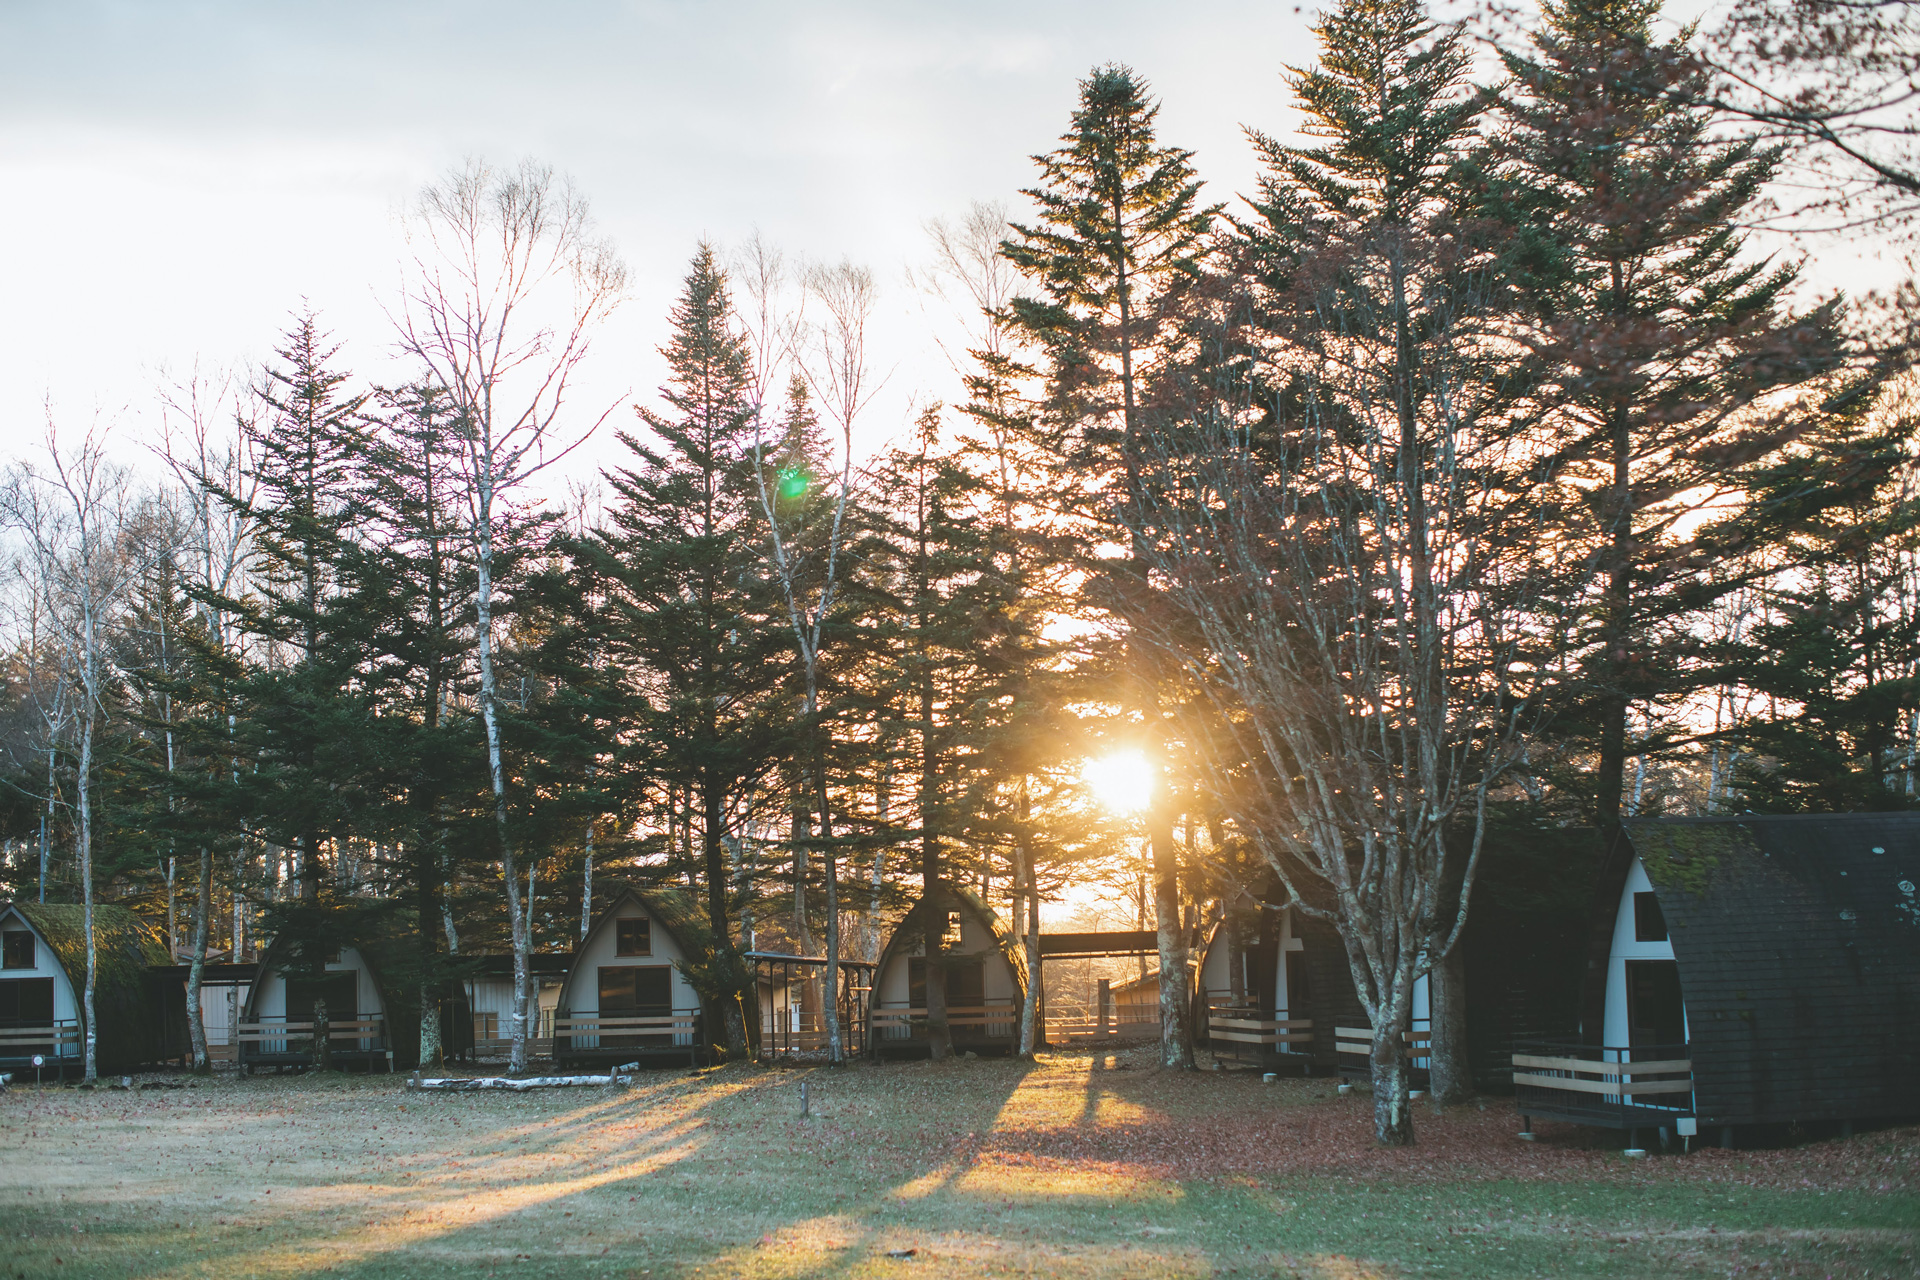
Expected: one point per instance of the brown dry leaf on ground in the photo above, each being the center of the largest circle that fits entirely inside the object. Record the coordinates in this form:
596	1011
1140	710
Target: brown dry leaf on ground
1070	1168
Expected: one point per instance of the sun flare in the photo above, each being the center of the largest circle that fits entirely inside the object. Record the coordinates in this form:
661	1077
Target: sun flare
1122	782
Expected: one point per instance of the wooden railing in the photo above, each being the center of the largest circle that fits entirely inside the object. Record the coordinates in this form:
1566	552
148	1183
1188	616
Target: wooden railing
1360	1040
1597	1084
58	1039
1245	1026
680	1029
994	1020
260	1038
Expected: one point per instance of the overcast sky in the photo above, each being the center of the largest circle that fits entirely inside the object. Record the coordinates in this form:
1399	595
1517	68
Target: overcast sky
178	176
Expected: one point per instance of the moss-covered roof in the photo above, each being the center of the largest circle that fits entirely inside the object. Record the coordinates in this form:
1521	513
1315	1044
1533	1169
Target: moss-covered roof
126	999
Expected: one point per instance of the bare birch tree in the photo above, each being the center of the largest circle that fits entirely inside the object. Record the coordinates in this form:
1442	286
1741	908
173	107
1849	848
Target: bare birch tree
835	364
218	542
72	516
505	285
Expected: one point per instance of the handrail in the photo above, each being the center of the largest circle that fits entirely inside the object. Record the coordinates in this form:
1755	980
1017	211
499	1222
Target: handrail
1568	1071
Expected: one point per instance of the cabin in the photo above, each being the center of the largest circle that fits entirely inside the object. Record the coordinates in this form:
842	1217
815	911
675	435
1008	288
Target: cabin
627	996
1744	972
43	975
986	976
280	1024
1274	987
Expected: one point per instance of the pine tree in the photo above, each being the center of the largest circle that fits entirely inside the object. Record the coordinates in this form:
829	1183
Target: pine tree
1120	230
690	607
1673	354
304	713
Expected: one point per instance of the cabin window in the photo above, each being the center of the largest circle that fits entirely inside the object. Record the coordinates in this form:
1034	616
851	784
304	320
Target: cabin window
951	938
1656	1014
635	991
1649	923
16	952
966	983
26	1002
633	936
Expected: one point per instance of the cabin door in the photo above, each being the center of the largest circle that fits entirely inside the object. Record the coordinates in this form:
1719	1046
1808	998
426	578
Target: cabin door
636	991
1299	986
27	1002
1656	1015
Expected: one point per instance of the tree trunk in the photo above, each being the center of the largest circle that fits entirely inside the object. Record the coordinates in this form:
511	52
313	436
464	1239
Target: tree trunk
496	769
1176	1001
1450	1078
202	920
322	1037
1392	1112
84	788
836	1044
714	858
1030	886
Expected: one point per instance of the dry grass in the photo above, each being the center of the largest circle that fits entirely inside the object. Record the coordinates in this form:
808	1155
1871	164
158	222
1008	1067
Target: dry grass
1075	1167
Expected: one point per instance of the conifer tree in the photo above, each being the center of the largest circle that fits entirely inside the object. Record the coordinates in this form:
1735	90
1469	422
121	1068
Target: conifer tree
305	504
1120	229
689	603
1673	353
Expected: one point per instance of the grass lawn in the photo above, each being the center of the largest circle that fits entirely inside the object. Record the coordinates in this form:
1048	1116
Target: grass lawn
1078	1166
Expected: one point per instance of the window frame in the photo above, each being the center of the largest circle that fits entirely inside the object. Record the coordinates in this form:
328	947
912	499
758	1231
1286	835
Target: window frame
644	925
7	946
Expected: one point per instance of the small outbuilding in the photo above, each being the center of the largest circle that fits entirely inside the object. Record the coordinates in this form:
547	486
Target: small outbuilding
627	996
43	976
1745	971
986	975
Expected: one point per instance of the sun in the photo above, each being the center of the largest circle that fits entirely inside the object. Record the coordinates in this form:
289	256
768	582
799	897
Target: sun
1122	782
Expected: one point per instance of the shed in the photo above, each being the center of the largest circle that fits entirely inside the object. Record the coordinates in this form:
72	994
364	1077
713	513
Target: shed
986	981
43	975
1744	971
627	996
278	1027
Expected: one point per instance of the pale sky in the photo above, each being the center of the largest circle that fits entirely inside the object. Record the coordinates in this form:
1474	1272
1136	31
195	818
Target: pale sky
180	175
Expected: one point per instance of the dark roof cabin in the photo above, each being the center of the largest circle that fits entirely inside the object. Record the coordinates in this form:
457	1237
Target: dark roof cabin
1746	971
1273	987
43	975
278	1028
986	982
627	996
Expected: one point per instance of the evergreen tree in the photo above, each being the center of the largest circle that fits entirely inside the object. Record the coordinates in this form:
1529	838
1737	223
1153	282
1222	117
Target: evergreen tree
306	711
1120	230
1673	355
690	607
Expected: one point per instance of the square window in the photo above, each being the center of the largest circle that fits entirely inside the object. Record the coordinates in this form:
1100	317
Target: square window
17	951
633	937
1649	924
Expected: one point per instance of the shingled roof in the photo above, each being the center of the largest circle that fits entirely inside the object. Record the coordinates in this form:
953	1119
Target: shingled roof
1798	942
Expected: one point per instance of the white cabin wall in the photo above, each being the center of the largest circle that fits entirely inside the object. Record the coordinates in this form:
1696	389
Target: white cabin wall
581	992
366	995
1626	947
66	1004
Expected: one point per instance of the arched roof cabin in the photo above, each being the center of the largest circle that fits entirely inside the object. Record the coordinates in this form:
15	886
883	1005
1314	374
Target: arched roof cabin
43	976
279	1028
986	982
627	996
1771	965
